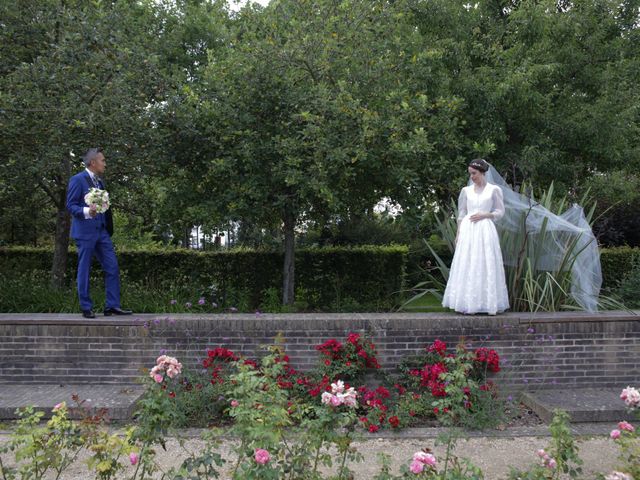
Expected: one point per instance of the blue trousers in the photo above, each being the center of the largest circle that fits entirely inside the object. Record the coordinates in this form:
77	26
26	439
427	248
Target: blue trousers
102	248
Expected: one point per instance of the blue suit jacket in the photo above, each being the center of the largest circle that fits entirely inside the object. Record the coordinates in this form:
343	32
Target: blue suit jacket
82	228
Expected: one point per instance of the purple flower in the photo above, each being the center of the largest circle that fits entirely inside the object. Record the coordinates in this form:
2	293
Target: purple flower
510	398
156	321
172	321
188	304
531	330
202	301
173	302
258	313
146	325
163	351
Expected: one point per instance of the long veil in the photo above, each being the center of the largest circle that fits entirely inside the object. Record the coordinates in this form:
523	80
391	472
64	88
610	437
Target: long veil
561	242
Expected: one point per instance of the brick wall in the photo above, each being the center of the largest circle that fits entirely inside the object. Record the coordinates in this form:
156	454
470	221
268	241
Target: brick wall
538	351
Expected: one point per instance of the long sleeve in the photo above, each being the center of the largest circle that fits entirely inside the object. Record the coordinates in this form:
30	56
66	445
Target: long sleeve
498	204
75	201
462	205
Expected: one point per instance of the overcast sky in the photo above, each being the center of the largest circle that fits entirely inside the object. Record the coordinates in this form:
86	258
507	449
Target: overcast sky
236	5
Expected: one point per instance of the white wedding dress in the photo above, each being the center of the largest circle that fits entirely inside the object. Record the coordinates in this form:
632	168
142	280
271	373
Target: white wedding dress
476	279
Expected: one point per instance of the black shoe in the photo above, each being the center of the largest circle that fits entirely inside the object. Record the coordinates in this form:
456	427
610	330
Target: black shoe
88	314
116	311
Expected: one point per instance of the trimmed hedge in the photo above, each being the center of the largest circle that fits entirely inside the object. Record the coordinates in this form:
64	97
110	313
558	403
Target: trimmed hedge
616	263
367	276
327	279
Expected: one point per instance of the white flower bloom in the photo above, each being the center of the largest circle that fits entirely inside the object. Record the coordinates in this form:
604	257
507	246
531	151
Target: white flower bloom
99	198
326	398
618	476
337	387
631	397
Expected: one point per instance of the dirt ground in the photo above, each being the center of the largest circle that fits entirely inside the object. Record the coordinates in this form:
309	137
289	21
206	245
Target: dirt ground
493	455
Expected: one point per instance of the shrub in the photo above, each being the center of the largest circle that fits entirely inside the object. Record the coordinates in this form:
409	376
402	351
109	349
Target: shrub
616	263
364	277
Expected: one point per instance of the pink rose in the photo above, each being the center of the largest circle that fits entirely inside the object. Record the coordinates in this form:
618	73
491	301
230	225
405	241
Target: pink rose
335	401
133	458
416	467
235	403
626	426
615	434
425	458
631	397
262	456
552	463
337	387
429	460
158	378
59	406
541	453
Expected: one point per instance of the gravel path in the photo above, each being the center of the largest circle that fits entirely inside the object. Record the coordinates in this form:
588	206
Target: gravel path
493	454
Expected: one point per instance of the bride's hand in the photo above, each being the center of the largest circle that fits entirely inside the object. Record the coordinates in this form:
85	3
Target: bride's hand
476	217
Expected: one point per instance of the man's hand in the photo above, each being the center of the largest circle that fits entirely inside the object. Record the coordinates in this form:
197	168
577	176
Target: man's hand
92	211
476	217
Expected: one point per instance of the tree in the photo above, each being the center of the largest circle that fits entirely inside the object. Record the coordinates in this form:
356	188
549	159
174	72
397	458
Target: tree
86	77
308	113
552	85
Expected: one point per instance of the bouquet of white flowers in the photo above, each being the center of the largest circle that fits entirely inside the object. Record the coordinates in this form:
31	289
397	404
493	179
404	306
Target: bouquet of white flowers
99	198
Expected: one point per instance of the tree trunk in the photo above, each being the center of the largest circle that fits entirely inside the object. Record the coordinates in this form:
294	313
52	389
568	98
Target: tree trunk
288	290
63	224
61	249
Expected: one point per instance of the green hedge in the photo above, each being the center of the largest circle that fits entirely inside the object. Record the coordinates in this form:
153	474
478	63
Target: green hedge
616	263
326	279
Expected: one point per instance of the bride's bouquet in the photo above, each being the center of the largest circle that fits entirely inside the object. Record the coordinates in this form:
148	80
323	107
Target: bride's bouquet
99	198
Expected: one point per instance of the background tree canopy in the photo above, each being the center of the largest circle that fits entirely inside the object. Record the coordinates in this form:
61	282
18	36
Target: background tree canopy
291	122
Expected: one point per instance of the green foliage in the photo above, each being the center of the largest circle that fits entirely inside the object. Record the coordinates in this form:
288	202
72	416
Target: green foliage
454	387
530	288
200	465
559	459
451	468
42	449
466	403
319	110
629	289
264	411
617	263
629	443
617	216
372	277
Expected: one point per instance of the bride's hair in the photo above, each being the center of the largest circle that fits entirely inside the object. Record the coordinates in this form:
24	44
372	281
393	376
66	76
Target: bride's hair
479	164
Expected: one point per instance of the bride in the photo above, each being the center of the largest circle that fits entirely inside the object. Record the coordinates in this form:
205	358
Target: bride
476	279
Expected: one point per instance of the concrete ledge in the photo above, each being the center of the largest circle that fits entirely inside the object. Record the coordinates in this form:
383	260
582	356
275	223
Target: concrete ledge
453	318
583	405
118	400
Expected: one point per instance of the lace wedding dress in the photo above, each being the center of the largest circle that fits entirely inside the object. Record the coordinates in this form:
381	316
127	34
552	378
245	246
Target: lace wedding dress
476	279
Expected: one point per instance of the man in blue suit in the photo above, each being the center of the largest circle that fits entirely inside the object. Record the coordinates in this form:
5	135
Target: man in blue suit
92	232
